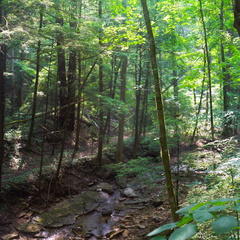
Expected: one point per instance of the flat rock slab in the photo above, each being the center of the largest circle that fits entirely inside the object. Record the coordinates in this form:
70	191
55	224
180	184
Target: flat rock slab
64	213
29	228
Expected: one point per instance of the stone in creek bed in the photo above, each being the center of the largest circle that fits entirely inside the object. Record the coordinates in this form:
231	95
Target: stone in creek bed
106	212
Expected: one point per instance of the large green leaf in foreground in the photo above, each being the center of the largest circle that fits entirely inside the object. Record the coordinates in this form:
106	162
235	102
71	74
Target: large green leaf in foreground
224	224
162	229
184	233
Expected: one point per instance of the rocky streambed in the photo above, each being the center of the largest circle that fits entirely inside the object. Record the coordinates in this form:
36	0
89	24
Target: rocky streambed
100	212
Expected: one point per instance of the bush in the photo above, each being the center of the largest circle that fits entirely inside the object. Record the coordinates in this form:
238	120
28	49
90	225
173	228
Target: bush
148	147
220	214
142	171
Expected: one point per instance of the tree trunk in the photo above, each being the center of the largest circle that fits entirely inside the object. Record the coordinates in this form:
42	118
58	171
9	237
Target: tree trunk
200	102
100	125
161	118
112	87
226	78
13	85
61	76
71	89
72	68
34	107
78	126
100	89
209	69
119	153
137	134
3	56
237	15
44	129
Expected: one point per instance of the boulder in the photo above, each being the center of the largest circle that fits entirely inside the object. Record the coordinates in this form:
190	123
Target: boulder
129	192
105	187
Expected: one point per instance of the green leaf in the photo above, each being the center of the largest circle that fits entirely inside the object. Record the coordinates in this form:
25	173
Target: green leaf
236	208
200	206
184	210
202	215
186	219
159	238
217	208
162	229
222	201
184	232
224	224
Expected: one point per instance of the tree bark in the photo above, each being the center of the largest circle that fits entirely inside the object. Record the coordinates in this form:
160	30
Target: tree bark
225	79
137	134
34	107
61	76
237	15
209	69
161	118
72	69
200	102
119	153
100	89
3	57
71	89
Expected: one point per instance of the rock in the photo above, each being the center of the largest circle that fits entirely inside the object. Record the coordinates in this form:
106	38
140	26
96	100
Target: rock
139	201
119	207
129	192
121	199
10	236
157	202
136	207
106	187
43	234
66	212
29	228
156	219
106	212
125	234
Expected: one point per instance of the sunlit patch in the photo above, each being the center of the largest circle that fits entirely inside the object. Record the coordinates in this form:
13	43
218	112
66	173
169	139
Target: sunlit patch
17	163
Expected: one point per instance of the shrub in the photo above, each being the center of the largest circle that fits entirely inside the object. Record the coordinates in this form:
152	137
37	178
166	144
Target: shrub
143	171
220	214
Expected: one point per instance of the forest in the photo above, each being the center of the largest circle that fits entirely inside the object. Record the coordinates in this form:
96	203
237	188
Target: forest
119	119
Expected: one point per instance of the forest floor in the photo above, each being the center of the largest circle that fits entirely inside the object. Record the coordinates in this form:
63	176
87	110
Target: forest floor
20	200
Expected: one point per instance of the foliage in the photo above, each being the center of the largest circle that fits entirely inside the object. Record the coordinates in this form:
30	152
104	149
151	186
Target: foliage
148	147
142	171
221	215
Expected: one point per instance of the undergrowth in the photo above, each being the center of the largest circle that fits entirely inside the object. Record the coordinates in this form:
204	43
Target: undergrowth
142	172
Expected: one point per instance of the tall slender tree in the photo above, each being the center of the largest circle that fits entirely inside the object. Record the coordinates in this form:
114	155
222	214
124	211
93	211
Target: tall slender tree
34	107
61	69
161	116
236	7
100	89
72	70
208	67
119	153
3	57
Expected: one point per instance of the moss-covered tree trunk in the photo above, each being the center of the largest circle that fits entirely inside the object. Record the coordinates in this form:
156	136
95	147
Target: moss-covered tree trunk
161	118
